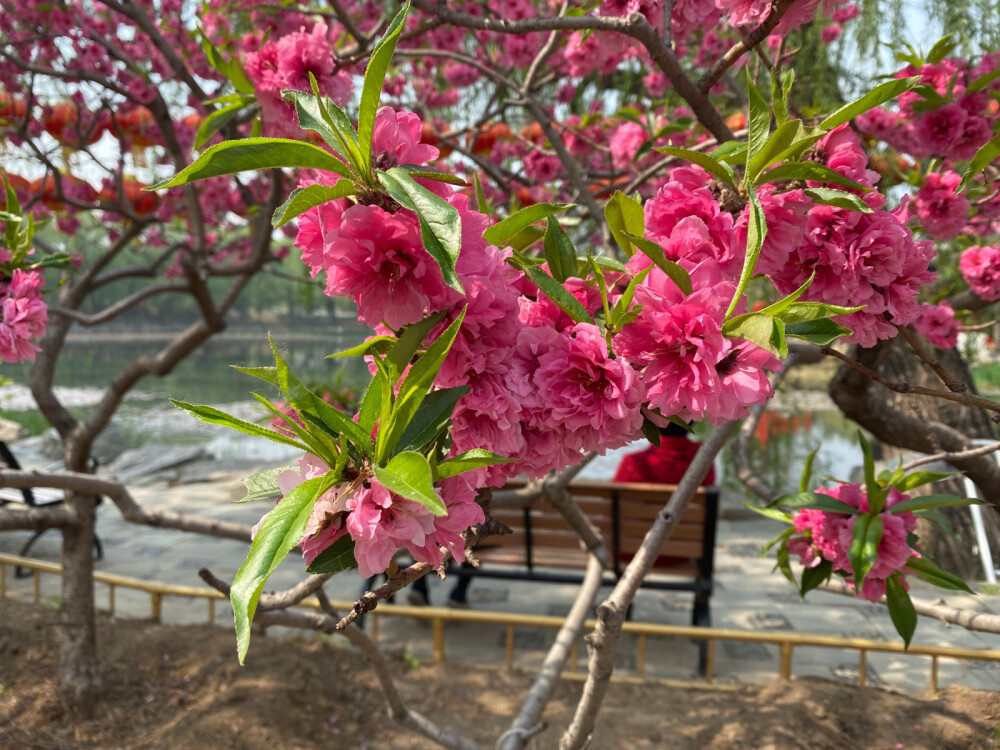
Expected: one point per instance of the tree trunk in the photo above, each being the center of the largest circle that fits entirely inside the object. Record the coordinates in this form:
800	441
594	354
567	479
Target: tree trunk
79	671
921	423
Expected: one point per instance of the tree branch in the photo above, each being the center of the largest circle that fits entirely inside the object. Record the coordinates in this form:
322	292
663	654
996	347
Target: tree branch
747	43
611	614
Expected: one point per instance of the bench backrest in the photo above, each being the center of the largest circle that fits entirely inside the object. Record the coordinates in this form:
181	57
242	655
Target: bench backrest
623	512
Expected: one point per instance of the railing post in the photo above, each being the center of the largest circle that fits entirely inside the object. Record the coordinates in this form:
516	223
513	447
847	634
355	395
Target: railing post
510	647
709	660
785	671
640	657
438	625
3	579
111	598
37	575
934	673
862	667
211	610
156	605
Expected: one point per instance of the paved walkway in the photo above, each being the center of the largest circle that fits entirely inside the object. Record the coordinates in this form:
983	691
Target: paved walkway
748	596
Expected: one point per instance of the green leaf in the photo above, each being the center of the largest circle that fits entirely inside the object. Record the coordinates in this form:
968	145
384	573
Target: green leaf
758	328
984	80
901	610
926	502
650	431
877	96
811	171
302	199
525	238
559	252
418	381
419	171
472	459
215	416
306	401
920	478
380	344
759	120
215	121
410	340
779	101
776	144
941	49
624	304
500	233
624	216
926	570
319	443
863	552
322	116
707	162
335	558
378	392
806	312
875	492
675	272
408	474
756	232
558	294
280	531
440	223
986	154
838	198
431	418
814	577
806	479
814	501
783	536
608	263
773	513
784	564
820	332
371	89
267	374
264	484
249	154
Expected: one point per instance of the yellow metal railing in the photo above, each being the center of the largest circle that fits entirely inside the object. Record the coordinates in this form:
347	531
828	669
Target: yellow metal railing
438	616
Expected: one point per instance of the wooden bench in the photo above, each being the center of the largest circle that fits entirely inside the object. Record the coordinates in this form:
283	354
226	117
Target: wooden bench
544	548
35	497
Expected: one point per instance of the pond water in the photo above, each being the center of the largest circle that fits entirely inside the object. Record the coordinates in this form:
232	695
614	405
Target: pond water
797	422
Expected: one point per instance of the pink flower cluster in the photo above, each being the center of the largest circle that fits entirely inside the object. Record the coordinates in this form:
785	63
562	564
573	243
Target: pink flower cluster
827	536
286	63
857	258
380	522
544	389
24	315
943	214
980	267
937	324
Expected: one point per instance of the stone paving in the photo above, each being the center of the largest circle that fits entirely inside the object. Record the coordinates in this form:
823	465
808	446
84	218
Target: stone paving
748	596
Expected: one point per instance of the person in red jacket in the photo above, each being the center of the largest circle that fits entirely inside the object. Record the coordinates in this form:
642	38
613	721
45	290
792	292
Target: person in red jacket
662	464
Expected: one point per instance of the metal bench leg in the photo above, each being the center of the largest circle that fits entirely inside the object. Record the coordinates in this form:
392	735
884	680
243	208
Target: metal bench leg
701	617
20	572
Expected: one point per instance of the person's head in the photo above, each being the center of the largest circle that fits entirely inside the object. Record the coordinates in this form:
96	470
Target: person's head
673	430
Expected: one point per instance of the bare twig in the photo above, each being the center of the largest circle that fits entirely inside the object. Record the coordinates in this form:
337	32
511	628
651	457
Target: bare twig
18	517
969	619
952	383
969	399
982	450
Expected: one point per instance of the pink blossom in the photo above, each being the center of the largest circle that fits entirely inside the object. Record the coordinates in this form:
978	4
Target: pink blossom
831	33
943	214
396	139
380	522
980	267
828	536
625	143
941	128
937	324
25	315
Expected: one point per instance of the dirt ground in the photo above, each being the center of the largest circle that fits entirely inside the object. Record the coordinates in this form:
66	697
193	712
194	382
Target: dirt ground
181	688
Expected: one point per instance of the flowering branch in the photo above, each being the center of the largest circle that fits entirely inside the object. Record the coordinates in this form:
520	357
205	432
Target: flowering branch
747	43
